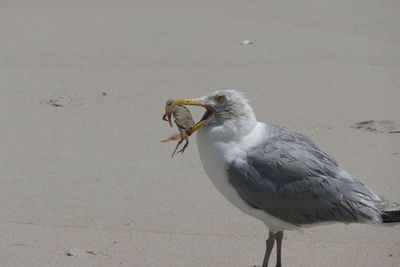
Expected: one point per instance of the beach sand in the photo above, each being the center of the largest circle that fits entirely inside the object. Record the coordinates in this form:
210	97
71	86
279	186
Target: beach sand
82	91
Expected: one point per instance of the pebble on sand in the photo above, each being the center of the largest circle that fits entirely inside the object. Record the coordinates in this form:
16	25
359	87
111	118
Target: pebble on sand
246	42
74	252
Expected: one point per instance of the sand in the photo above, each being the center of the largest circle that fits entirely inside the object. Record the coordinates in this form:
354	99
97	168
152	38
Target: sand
82	91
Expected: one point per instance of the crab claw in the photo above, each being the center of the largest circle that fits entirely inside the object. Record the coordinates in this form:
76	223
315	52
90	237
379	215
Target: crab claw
167	117
168	111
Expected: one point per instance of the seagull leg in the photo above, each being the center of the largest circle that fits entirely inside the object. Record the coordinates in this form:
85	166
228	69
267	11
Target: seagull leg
279	238
270	244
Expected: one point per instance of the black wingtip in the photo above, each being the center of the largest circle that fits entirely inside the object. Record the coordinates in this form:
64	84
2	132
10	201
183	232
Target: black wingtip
391	216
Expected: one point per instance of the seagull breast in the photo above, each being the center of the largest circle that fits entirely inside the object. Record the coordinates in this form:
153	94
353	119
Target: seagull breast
218	146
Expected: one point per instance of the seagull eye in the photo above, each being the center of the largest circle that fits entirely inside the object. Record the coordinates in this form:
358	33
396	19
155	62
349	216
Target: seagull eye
220	98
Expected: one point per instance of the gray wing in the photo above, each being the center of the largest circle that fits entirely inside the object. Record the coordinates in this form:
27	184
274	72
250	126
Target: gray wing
289	177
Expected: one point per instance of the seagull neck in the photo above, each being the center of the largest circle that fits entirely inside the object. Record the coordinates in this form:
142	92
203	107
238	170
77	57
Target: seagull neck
232	130
244	127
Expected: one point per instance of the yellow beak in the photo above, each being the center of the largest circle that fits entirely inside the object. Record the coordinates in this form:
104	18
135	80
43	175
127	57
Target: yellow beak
197	126
186	101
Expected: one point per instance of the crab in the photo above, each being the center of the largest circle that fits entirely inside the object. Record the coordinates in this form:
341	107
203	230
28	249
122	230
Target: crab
184	122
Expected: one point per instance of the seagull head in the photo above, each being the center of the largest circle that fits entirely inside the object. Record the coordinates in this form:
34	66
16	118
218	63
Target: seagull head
225	106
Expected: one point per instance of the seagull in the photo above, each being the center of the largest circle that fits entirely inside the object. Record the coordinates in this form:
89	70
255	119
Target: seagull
277	175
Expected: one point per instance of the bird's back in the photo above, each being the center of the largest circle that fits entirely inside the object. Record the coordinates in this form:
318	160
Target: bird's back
289	177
